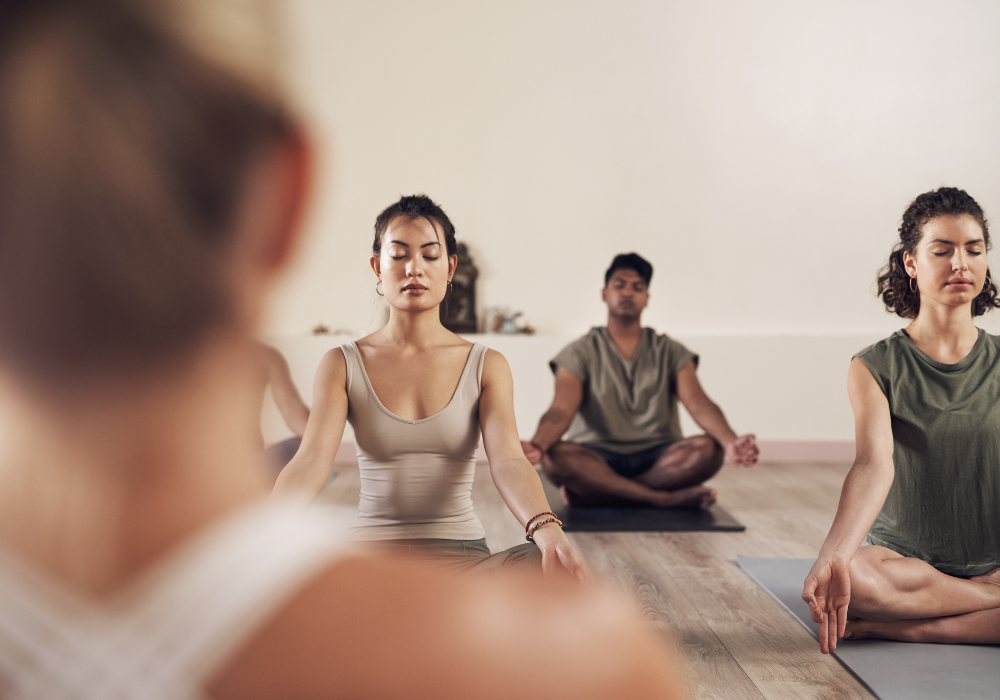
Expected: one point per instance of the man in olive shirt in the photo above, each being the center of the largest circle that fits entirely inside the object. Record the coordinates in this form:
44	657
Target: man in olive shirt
616	391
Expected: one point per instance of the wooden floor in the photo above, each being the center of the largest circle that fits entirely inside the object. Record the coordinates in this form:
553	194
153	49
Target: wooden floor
739	642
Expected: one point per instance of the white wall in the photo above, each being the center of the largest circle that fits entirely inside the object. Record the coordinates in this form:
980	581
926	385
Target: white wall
783	388
760	154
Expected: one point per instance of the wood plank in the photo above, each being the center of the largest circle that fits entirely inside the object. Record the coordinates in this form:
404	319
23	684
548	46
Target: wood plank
713	674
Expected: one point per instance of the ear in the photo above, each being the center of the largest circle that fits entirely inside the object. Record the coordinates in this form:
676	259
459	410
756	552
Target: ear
604	294
910	264
376	264
452	266
282	181
267	222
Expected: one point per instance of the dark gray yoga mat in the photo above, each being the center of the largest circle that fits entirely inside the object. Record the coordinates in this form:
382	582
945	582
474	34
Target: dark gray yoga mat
891	670
637	518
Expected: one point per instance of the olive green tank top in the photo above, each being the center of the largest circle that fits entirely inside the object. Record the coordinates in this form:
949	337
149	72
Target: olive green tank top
944	503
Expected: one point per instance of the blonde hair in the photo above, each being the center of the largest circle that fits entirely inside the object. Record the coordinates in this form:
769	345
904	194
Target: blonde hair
123	154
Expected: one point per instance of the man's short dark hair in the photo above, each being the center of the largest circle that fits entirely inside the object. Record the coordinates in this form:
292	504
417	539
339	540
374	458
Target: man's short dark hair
630	261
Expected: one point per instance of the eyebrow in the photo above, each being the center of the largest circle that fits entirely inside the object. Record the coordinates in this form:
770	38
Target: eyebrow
407	245
947	242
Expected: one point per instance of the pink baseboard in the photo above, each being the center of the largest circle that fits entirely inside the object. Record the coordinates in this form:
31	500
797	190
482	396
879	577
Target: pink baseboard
774	451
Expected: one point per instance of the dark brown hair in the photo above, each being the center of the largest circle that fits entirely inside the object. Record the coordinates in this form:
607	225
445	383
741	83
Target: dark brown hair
893	280
123	156
630	261
415	206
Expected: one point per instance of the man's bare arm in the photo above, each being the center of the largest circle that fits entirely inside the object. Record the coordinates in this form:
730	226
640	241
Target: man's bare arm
555	421
740	449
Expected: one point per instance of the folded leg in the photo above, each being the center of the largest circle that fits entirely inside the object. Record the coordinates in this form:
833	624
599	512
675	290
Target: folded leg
981	627
886	586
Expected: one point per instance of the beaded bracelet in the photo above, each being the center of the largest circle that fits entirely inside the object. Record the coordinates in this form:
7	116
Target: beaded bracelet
536	517
530	536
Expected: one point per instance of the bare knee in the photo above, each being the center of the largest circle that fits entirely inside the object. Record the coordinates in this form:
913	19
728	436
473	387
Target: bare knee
557	462
710	450
869	587
707	454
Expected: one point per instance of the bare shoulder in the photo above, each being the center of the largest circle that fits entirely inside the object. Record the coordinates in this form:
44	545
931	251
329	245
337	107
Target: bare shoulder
496	368
861	382
369	627
332	369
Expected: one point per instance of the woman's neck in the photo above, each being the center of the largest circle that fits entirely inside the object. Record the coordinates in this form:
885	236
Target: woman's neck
98	485
415	328
945	333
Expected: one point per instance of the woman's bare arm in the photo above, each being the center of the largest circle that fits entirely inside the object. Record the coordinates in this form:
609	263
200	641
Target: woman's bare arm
286	395
310	468
515	478
828	587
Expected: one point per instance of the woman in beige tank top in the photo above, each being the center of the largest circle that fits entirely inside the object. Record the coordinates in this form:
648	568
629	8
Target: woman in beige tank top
417	396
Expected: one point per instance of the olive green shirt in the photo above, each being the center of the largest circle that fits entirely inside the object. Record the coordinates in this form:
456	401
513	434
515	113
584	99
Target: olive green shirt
944	503
627	405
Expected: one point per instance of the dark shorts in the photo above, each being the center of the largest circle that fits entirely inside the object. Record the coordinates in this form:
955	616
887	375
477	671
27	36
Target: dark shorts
632	464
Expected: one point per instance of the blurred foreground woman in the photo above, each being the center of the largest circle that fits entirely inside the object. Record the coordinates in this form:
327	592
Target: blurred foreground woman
148	198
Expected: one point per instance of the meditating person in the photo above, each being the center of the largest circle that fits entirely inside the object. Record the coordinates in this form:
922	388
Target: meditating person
924	490
273	373
616	391
150	193
418	396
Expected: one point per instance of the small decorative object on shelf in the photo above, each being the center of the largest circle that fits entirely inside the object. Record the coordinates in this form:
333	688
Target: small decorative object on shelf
500	319
458	312
321	329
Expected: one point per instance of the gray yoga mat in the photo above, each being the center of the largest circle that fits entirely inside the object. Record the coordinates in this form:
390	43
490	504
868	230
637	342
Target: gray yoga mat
891	670
637	518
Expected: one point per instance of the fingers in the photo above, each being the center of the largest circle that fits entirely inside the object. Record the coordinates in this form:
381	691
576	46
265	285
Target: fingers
841	620
824	632
574	565
831	617
531	453
547	564
745	447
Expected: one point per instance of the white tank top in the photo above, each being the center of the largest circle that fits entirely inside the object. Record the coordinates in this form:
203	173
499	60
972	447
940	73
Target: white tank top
170	631
416	475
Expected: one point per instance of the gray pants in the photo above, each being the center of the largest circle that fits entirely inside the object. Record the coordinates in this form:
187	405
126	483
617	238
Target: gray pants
463	555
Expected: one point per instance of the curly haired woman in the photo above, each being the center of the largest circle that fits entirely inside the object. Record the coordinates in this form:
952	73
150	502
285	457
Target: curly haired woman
924	491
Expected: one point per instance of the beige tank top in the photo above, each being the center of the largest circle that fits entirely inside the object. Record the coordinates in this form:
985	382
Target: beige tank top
416	475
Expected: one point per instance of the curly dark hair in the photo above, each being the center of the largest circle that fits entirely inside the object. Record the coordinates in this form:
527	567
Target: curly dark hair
893	280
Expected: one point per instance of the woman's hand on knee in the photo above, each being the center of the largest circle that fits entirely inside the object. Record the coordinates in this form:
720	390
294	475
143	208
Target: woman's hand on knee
558	555
827	590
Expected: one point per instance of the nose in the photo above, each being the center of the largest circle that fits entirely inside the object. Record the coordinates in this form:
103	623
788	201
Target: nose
960	261
414	267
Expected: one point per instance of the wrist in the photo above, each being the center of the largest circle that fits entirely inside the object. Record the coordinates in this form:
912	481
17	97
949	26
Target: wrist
837	552
545	533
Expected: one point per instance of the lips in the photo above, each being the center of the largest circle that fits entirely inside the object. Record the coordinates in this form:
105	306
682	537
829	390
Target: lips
414	288
959	282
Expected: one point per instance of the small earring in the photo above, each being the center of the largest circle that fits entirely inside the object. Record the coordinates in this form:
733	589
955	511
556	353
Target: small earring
989	283
377	290
911	285
449	288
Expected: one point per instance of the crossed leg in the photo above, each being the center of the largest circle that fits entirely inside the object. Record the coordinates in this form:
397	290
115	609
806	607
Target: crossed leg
899	597
674	480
